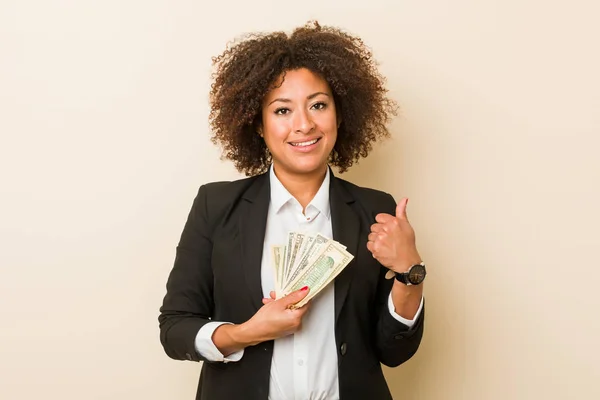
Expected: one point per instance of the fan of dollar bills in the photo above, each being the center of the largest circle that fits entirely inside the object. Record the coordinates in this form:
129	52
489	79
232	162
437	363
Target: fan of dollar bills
311	260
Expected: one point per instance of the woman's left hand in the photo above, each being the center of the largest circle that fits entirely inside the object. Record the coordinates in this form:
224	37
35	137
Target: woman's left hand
392	240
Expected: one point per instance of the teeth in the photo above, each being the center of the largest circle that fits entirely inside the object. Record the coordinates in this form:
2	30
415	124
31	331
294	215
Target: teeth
302	144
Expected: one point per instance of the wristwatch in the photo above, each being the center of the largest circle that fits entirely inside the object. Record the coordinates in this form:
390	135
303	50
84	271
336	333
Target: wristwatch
414	276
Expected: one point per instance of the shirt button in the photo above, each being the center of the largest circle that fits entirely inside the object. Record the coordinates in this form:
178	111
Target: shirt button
300	362
343	349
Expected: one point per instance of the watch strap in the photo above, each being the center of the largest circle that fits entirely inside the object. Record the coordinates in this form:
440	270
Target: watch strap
402	277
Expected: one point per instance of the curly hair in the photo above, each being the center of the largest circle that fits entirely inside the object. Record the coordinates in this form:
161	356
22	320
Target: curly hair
246	71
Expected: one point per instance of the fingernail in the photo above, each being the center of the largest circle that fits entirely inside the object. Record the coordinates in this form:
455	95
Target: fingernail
304	288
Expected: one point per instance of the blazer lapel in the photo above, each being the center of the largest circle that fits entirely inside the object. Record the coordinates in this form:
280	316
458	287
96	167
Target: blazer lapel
253	223
346	230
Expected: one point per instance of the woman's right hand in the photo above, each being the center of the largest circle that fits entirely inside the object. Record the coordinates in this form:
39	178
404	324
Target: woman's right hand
275	319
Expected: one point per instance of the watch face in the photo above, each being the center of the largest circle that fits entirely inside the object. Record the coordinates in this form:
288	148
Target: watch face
416	275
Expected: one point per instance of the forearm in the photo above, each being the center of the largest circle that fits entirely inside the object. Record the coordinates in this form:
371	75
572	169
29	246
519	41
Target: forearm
275	319
233	338
407	299
397	340
396	343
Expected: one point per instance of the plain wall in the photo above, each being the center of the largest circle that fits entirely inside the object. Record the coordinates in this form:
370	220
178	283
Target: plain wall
104	142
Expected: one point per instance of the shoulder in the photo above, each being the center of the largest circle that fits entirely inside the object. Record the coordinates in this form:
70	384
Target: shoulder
227	189
369	198
221	194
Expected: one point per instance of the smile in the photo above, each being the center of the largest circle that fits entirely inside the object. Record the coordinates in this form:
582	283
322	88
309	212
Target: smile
304	144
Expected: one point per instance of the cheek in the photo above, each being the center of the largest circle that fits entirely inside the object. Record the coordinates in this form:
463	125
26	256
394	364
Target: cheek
329	125
332	135
275	130
274	139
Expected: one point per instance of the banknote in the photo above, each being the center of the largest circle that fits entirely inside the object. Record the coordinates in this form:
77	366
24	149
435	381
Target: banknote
298	239
307	259
321	271
308	240
290	244
311	253
277	257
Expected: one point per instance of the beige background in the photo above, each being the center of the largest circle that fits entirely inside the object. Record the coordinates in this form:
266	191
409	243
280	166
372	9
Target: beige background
104	142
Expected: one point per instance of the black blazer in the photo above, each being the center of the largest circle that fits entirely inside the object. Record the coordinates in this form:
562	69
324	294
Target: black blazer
216	276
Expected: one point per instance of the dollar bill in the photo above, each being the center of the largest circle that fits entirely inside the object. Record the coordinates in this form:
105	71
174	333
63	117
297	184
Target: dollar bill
277	254
338	268
308	240
306	259
290	244
298	240
317	246
321	272
331	249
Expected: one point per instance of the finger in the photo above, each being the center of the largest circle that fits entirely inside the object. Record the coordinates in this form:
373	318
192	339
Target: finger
295	297
371	247
273	294
304	309
374	236
401	209
377	228
377	237
266	300
382	218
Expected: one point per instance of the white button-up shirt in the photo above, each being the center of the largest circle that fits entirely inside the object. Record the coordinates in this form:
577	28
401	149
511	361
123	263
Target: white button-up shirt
304	365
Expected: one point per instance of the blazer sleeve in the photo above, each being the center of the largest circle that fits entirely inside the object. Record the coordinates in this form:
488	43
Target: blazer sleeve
188	303
395	342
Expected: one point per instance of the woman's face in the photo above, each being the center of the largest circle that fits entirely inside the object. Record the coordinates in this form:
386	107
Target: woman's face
299	123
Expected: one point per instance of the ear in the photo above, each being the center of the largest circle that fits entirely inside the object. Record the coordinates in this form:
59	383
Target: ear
339	120
259	130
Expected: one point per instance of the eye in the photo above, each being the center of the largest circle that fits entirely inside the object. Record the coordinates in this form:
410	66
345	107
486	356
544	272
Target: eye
319	106
282	111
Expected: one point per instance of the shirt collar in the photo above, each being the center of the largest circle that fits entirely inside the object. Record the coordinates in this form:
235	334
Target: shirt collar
280	195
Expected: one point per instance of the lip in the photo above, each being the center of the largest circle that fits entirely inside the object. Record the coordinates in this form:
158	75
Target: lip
306	139
305	149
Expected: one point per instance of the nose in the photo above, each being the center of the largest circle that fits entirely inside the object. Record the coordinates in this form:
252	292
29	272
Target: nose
303	122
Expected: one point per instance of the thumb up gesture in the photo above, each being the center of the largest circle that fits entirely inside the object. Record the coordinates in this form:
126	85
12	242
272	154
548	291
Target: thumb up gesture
392	240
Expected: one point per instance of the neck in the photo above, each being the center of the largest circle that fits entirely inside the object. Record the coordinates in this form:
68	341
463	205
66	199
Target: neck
303	187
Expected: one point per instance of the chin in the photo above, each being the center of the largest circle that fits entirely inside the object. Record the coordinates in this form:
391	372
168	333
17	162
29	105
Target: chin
304	167
310	168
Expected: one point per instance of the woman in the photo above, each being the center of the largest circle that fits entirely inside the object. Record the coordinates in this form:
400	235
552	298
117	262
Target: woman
284	109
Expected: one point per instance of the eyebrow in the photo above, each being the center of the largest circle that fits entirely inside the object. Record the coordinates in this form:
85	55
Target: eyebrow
284	100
